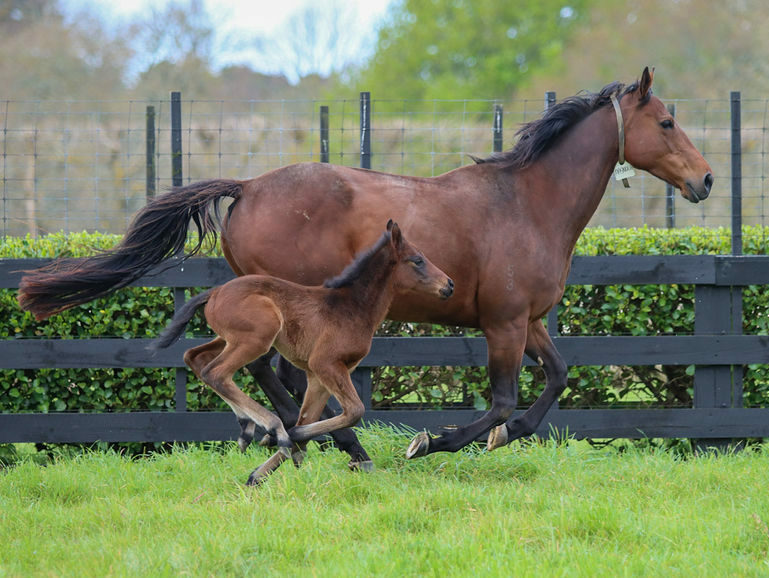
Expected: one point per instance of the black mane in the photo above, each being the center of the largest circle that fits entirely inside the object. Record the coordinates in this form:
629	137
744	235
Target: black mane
354	270
538	136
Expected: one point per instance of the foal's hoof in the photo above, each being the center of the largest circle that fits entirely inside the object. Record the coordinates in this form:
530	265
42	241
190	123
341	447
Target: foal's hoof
361	466
254	480
497	437
419	446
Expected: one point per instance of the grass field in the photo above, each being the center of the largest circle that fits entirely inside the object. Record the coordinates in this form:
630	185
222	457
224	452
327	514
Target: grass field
532	509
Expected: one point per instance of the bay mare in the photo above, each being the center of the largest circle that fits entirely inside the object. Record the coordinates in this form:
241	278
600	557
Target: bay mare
504	228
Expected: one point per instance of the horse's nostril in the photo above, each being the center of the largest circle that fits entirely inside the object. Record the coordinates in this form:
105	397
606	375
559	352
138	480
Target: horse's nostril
708	182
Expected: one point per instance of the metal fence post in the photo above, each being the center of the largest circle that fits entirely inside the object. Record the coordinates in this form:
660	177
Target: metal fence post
365	130
324	148
176	139
180	391
670	191
150	155
497	128
552	315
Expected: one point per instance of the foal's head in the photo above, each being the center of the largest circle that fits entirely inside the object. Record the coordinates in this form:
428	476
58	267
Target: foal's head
413	271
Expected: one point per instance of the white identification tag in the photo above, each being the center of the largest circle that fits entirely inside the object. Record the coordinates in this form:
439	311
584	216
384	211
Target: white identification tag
623	171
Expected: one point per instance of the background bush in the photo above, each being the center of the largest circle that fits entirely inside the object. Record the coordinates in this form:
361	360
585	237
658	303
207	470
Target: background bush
585	310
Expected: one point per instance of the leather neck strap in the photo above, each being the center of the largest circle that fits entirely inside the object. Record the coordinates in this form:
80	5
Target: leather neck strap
621	132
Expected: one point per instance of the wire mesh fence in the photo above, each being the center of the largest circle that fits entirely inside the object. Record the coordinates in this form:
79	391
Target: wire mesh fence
83	165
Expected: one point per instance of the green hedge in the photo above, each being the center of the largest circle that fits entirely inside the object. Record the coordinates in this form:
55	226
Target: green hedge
585	310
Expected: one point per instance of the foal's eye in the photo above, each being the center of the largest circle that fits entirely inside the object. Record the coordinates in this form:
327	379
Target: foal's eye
417	261
667	123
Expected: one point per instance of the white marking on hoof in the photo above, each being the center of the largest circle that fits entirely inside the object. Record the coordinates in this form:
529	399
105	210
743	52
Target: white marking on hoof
364	466
419	446
497	437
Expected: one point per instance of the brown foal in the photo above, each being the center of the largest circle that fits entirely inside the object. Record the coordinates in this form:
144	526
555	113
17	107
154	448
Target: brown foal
324	330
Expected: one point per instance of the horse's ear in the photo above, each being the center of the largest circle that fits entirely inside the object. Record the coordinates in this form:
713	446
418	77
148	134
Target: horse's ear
647	78
395	234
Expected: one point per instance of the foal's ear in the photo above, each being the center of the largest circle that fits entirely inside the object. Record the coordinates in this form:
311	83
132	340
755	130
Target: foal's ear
647	78
395	234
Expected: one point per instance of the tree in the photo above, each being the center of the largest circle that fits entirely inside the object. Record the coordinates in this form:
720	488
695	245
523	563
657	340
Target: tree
45	57
701	48
463	48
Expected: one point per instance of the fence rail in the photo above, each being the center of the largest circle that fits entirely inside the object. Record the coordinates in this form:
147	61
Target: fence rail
717	389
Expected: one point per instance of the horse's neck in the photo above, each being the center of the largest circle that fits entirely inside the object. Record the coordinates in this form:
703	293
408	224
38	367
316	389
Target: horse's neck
578	170
373	291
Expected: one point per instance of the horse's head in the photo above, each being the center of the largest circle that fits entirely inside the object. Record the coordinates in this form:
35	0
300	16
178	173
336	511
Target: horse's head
656	143
413	271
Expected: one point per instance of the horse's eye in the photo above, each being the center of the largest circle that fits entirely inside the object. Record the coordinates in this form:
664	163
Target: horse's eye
667	123
417	261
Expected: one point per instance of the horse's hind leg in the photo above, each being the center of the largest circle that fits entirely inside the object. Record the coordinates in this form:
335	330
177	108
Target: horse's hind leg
345	438
197	359
539	347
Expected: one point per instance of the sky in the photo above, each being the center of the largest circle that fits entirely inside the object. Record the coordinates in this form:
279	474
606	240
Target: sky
237	19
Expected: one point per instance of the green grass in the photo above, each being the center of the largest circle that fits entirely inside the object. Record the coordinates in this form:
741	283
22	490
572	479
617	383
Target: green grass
534	509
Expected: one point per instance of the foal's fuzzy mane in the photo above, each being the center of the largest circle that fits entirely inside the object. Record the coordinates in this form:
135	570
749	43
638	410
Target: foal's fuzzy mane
538	136
354	270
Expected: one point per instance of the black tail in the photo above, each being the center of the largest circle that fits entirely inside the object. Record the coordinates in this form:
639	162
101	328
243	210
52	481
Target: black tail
175	328
157	232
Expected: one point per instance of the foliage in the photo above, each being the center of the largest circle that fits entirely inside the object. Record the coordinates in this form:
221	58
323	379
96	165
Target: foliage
585	310
452	49
533	509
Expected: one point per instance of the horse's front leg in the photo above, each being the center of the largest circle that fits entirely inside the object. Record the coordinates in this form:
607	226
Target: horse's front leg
540	348
345	438
505	344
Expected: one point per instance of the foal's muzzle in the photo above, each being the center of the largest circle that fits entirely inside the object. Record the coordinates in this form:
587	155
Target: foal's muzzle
448	289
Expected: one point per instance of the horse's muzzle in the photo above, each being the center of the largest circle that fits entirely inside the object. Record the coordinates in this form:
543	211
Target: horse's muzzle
701	191
448	289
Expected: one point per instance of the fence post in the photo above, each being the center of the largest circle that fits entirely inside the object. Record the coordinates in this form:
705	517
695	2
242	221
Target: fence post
324	148
180	391
497	128
718	309
176	139
365	130
736	292
670	191
150	158
552	315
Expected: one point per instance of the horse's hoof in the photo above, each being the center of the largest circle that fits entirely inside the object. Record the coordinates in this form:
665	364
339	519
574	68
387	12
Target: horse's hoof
362	466
267	441
256	478
497	437
419	446
298	457
243	443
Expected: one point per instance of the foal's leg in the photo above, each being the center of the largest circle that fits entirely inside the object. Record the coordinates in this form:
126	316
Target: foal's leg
334	379
506	345
313	405
345	438
539	347
197	359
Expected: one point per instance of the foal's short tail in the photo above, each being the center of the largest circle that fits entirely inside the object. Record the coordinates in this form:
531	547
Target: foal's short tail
174	330
157	232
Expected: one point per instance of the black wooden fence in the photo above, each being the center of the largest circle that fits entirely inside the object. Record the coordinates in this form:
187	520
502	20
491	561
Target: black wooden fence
717	349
